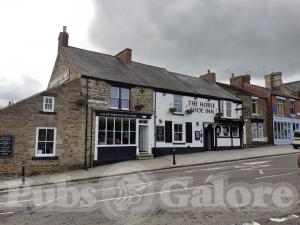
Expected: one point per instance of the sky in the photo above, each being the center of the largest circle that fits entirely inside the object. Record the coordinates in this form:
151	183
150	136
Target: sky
189	37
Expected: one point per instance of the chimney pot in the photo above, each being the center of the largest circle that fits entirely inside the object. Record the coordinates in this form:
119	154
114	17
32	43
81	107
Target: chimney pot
64	29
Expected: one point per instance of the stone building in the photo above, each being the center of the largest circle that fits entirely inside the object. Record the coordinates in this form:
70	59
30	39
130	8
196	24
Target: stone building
100	109
283	105
254	114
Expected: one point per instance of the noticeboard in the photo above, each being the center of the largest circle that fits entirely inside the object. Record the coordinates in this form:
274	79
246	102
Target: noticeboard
6	146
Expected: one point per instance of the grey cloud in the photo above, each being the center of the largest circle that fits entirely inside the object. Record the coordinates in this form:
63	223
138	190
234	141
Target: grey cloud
18	90
193	35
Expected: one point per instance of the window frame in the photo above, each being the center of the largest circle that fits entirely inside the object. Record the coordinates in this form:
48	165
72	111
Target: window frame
228	109
280	107
37	141
293	107
254	102
177	97
129	131
120	97
45	103
183	132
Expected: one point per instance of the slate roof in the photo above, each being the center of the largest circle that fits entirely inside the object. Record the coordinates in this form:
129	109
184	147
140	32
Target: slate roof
237	89
294	86
111	68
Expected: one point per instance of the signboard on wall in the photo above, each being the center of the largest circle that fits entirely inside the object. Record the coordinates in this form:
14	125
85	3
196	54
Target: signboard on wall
6	146
202	106
60	79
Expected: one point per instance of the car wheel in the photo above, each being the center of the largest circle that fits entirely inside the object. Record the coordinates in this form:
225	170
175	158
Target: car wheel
295	147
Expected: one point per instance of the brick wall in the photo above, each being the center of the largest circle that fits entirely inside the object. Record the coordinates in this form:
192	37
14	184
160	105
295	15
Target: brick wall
22	119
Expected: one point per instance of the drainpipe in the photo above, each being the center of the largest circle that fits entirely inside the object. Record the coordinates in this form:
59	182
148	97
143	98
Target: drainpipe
91	137
155	130
86	125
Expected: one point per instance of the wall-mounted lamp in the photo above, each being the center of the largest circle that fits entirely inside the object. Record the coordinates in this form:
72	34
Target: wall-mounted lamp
160	121
142	90
197	124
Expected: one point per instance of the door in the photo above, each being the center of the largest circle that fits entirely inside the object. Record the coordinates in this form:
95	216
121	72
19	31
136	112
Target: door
143	138
208	138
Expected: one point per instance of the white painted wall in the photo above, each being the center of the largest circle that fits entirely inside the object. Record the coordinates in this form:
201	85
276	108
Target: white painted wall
203	115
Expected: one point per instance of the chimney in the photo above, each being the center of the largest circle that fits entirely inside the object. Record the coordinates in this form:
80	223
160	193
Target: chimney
210	76
273	80
125	55
239	81
63	38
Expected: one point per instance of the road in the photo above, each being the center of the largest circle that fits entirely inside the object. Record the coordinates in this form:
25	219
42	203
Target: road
257	191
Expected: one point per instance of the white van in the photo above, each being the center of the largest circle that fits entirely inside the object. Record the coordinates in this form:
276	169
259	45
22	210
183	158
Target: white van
296	139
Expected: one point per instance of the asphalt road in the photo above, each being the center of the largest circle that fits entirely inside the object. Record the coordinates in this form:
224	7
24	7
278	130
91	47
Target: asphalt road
258	191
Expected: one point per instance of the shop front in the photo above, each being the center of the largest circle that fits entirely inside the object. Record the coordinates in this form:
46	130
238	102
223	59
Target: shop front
120	136
283	129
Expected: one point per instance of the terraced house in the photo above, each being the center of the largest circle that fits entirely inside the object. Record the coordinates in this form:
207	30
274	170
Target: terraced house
100	109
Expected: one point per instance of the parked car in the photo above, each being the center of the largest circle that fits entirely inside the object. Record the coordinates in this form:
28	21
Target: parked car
296	139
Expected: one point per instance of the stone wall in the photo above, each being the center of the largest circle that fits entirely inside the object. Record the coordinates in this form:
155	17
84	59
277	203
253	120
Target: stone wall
22	119
61	65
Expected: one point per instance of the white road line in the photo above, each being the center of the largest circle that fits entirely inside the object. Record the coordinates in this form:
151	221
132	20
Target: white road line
152	193
4	213
158	181
255	163
261	172
15	202
216	168
277	175
283	219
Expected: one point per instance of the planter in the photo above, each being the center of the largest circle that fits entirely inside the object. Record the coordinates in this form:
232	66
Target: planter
189	111
81	102
139	107
172	110
219	114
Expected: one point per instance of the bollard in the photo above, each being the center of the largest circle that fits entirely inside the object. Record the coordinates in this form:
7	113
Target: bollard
174	156
23	174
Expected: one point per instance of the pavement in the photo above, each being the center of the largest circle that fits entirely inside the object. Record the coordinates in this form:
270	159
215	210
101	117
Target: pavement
160	163
258	191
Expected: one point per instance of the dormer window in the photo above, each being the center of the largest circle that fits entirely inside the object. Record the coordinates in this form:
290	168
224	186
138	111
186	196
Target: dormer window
48	104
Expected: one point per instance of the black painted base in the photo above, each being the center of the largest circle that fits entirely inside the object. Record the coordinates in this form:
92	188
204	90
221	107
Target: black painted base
108	155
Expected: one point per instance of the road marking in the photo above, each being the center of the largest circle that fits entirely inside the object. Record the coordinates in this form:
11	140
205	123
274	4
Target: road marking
255	163
153	182
4	213
283	219
216	168
152	193
261	172
277	175
15	202
252	223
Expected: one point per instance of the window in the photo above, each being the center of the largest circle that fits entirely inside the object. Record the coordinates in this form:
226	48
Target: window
119	98
254	105
235	132
257	131
293	107
45	141
116	131
221	110
228	109
48	104
218	131
178	103
280	107
178	132
225	131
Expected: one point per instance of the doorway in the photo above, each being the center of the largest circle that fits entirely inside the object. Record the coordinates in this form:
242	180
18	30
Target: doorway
143	138
209	138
